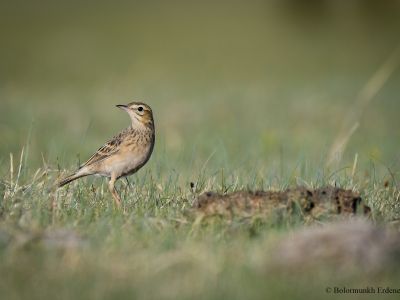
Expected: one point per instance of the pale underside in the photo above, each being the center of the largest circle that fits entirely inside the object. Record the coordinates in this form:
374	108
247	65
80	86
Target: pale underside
121	156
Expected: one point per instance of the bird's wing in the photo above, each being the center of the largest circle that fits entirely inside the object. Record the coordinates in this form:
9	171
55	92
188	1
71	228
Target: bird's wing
108	149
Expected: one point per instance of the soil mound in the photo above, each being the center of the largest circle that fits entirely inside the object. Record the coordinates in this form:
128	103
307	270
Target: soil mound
313	202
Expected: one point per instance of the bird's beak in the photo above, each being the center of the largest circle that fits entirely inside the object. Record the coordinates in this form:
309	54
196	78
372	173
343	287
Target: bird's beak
122	106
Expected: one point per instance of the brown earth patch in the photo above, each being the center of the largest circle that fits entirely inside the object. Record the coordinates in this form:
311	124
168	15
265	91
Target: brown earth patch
312	202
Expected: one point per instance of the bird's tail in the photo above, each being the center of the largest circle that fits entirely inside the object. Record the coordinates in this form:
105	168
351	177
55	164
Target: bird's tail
70	178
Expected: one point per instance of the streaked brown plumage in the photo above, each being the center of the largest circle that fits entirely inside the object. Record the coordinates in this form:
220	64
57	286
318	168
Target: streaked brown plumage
125	153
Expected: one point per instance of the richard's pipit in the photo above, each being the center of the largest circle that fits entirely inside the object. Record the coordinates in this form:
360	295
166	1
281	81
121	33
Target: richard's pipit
124	154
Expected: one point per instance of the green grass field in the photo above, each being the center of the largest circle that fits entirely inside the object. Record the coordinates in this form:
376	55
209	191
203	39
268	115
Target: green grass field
245	96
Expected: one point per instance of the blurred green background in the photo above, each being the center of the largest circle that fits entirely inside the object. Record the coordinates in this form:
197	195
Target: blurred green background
255	86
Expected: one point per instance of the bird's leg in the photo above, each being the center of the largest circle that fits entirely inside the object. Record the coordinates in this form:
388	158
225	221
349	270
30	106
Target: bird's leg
113	191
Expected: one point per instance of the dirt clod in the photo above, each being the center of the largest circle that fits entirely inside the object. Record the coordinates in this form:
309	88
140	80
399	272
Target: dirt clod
315	202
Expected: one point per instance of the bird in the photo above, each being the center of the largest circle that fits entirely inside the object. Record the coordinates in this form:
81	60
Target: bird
125	153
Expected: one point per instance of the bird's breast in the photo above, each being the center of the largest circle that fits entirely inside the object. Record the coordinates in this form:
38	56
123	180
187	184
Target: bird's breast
135	156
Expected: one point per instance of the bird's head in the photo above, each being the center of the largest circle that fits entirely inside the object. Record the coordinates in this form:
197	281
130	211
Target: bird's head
140	114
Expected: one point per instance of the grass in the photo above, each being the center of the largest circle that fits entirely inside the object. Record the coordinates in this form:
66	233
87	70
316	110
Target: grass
251	102
155	250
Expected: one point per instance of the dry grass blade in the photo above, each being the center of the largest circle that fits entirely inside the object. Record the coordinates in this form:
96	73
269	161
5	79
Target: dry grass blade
364	97
11	168
19	170
353	171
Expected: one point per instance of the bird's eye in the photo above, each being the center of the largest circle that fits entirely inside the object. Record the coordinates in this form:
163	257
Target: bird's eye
140	108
